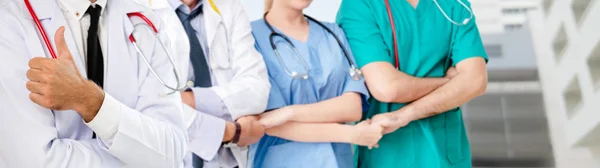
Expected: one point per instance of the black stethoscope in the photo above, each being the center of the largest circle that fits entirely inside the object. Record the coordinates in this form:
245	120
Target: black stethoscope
355	73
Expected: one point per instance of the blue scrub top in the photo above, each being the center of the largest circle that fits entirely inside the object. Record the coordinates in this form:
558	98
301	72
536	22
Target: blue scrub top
328	78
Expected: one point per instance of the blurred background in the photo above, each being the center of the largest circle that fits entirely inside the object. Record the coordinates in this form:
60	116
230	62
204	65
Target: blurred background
542	106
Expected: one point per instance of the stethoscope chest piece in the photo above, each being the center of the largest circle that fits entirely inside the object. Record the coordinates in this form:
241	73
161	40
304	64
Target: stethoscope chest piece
355	73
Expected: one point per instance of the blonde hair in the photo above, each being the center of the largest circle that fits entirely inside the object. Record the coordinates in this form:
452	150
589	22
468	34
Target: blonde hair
268	4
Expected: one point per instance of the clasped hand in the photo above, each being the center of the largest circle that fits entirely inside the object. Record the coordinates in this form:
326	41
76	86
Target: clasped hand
251	129
57	84
364	133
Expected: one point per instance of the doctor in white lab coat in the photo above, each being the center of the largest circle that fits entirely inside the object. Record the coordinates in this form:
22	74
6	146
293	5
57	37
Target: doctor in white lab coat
49	110
238	77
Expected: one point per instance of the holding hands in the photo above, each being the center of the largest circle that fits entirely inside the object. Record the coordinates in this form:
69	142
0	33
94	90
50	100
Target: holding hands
392	121
367	134
251	130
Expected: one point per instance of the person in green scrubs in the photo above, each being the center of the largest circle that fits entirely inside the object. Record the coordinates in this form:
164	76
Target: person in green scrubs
441	65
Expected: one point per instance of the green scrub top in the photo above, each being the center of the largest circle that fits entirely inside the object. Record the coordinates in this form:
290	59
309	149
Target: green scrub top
427	44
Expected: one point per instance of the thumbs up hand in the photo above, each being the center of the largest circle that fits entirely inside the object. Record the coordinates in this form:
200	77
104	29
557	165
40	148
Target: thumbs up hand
57	84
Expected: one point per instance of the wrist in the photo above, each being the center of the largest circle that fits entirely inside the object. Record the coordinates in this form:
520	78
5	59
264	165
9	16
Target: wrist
291	110
229	132
407	112
353	134
91	102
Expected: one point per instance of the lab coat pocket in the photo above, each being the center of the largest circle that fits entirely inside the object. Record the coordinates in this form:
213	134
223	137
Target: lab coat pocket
220	62
220	58
300	155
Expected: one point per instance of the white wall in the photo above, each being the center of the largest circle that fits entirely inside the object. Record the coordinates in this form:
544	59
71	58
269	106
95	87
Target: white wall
323	10
489	16
2	165
575	139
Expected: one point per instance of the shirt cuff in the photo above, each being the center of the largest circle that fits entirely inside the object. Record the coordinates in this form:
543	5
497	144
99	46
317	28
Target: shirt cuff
106	122
209	102
206	134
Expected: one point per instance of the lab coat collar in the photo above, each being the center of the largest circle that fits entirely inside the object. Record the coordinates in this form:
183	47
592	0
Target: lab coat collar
212	20
177	4
79	7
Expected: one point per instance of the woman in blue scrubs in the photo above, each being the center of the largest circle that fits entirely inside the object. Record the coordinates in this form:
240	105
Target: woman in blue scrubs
312	93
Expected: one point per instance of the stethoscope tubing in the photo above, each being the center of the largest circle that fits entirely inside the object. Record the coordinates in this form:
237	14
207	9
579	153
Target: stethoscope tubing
148	25
40	28
354	72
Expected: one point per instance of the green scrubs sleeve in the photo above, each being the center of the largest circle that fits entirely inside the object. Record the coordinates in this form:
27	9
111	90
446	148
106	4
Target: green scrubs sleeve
356	18
466	39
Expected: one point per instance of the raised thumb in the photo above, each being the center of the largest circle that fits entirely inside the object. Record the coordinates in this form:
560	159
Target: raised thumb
61	45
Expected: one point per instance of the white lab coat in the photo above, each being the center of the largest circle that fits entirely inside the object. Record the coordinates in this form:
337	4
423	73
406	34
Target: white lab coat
150	131
2	165
242	79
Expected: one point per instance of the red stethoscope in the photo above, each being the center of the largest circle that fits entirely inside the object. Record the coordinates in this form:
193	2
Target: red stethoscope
391	18
148	24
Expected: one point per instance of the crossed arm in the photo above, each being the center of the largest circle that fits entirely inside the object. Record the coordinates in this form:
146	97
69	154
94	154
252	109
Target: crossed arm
429	96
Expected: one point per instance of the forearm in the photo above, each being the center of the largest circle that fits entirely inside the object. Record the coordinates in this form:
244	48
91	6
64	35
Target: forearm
409	88
313	132
344	108
387	84
461	89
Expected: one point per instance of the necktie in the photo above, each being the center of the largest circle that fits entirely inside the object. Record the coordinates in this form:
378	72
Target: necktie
197	57
95	62
201	72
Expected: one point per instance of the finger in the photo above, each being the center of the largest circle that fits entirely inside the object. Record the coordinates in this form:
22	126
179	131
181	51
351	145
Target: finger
39	63
61	44
376	146
37	99
34	87
34	75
